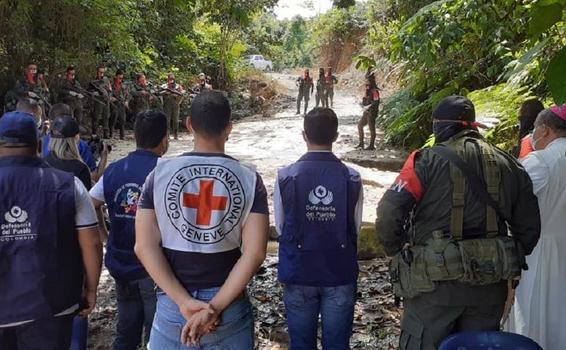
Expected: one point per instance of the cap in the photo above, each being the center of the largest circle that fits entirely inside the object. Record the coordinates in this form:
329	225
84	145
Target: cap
560	111
18	129
64	126
455	108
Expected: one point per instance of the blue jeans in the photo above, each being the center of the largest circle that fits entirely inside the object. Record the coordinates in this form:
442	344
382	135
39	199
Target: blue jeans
136	307
235	331
335	305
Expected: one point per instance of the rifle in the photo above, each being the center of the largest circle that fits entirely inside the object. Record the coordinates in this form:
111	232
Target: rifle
82	92
165	90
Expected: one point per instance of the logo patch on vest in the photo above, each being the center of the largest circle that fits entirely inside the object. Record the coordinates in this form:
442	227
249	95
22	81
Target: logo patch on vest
204	202
17	226
126	199
321	209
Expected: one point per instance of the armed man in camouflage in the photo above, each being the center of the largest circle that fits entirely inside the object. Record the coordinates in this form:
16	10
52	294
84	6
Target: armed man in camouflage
320	91
457	223
119	104
141	96
101	90
172	97
29	86
329	81
72	94
306	87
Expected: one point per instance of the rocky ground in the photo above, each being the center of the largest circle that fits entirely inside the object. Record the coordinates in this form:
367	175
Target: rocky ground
270	141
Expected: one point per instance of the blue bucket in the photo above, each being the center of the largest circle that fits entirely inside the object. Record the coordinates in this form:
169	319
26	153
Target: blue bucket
488	341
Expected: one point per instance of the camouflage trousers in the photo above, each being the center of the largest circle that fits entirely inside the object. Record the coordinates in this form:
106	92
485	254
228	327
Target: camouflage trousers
172	110
425	325
118	119
100	115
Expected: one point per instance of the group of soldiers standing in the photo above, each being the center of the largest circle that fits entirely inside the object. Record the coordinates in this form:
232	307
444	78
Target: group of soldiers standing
324	89
110	101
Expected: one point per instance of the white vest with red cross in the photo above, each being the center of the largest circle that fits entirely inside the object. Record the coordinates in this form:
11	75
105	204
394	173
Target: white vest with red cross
201	202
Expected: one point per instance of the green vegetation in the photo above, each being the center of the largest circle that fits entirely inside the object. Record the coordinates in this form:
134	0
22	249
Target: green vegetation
498	53
151	36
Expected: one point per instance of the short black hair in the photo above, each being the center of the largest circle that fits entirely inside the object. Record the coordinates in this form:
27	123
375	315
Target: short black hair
321	126
59	110
550	119
70	68
210	113
119	72
150	129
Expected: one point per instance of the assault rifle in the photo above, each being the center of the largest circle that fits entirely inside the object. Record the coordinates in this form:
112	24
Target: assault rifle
39	97
81	93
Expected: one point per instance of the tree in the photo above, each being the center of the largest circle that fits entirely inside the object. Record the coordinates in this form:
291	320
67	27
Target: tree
343	4
232	16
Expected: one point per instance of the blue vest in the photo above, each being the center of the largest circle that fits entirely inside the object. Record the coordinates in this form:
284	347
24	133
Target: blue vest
318	242
41	270
123	182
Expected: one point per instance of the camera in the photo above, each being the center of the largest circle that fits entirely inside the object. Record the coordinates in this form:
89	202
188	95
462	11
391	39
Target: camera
96	145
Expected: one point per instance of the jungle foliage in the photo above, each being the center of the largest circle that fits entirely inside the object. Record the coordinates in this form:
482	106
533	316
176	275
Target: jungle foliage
151	36
504	51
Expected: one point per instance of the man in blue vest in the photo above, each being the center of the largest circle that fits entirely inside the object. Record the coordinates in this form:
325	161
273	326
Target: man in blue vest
120	188
201	233
318	211
50	251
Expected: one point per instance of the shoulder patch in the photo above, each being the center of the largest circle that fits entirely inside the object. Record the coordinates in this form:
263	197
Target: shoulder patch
408	180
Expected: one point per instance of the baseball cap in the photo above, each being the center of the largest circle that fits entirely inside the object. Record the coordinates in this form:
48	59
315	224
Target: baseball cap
455	108
560	111
64	126
18	129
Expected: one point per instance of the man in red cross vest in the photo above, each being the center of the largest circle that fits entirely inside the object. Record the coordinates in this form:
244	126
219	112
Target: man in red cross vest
195	214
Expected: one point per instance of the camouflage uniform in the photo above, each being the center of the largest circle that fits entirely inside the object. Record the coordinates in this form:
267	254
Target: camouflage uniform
24	88
118	109
306	87
140	99
70	94
102	91
329	81
321	93
172	105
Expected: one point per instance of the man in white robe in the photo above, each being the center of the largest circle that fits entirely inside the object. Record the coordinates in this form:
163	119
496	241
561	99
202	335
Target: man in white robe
539	311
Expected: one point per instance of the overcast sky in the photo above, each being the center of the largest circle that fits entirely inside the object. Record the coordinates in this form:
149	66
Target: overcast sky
291	8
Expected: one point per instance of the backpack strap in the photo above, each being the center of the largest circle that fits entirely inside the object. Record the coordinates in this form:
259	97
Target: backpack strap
492	177
481	189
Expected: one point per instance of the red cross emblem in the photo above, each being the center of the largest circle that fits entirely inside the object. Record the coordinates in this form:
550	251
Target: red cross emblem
204	202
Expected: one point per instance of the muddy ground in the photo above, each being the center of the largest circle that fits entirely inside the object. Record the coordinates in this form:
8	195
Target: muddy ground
270	142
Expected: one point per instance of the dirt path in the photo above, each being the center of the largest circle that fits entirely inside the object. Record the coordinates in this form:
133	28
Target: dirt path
269	144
